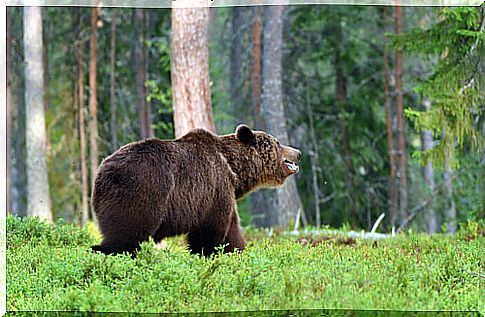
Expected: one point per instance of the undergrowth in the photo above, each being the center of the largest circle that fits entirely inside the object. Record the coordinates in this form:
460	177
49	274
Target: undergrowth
51	267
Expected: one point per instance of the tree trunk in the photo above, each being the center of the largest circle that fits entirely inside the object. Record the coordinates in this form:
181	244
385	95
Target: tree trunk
256	67
146	54
9	111
93	102
341	91
432	225
20	171
37	182
314	160
402	173
392	186
140	65
450	207
481	213
46	84
190	70
236	65
112	92
82	142
259	200
286	202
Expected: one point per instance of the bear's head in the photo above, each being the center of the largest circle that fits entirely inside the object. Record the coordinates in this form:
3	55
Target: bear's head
275	161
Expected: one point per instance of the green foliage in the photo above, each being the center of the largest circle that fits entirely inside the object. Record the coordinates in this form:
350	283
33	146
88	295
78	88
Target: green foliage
159	87
312	35
52	268
311	79
162	128
453	87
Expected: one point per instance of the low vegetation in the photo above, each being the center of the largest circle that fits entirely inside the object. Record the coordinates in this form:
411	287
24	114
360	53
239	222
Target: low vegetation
52	268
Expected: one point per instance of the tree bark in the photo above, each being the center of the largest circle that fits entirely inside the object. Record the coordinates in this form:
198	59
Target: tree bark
93	102
46	84
256	54
146	54
112	87
286	202
450	207
402	173
37	182
260	200
392	185
314	160
82	142
9	111
19	172
190	70
481	213
236	65
341	92
140	65
432	225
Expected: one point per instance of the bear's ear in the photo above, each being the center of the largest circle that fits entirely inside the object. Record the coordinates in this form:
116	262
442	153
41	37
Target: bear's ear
245	135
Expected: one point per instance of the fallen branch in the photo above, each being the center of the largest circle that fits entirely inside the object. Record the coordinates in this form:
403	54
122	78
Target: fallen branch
376	224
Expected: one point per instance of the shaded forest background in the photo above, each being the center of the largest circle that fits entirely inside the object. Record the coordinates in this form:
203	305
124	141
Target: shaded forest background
386	104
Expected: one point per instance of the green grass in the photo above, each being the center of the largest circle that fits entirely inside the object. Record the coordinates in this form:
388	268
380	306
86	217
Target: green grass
51	268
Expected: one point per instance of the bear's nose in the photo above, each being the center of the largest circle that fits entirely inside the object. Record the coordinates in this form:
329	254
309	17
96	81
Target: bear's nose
299	155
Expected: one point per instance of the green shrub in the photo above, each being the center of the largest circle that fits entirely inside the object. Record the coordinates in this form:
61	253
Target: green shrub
51	267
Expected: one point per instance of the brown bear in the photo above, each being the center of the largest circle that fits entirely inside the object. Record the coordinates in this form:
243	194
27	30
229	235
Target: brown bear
156	188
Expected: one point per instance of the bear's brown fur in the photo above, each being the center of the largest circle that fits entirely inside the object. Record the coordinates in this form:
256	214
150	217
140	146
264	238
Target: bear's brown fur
154	188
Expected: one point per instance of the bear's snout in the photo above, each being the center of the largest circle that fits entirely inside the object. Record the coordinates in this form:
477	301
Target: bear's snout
291	158
291	154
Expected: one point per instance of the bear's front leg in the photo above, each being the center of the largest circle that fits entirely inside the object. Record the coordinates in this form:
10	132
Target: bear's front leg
234	239
205	239
220	226
219	231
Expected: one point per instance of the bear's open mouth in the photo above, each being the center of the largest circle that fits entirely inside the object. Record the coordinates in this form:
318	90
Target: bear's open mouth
292	166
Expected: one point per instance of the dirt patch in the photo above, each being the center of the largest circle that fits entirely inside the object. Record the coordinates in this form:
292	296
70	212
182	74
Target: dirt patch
314	241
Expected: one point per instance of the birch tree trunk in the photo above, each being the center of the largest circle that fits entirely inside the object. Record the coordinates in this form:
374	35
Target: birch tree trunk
112	92
190	70
38	200
93	102
402	174
286	201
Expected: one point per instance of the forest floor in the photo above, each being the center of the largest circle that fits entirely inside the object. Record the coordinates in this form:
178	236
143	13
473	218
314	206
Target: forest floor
51	267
